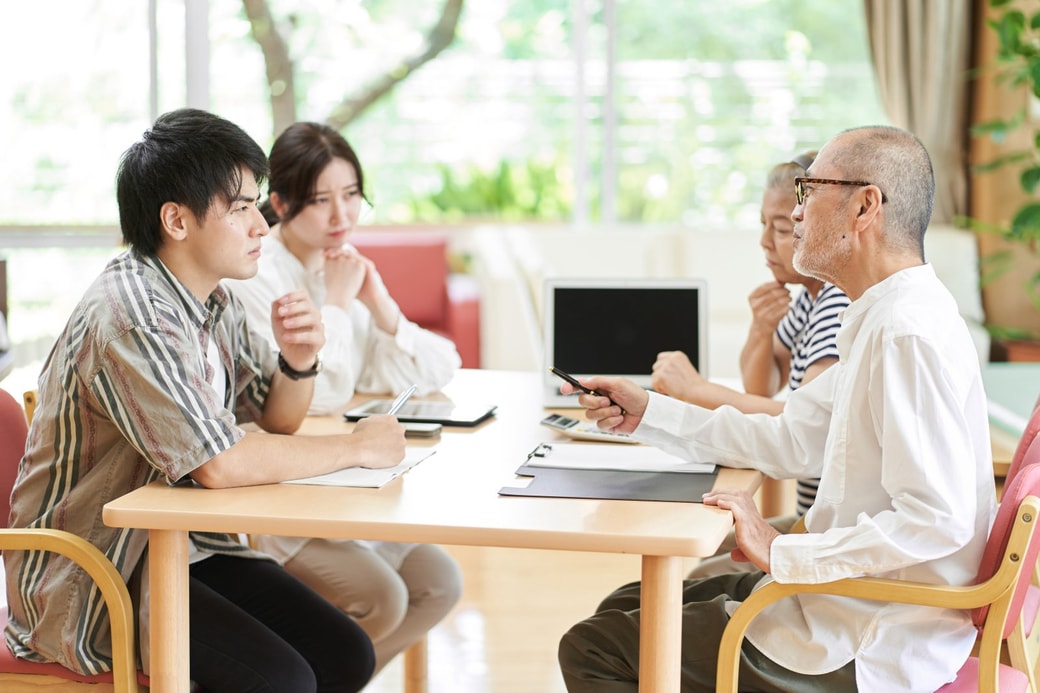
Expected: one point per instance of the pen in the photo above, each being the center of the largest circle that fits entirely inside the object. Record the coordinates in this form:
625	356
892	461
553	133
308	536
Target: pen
574	381
401	399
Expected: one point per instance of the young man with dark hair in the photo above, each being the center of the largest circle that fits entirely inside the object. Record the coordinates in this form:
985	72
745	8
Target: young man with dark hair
151	379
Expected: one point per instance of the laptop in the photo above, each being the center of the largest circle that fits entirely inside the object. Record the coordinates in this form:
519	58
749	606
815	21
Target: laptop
618	326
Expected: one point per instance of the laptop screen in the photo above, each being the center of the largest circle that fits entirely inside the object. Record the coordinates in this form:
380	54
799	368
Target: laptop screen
617	327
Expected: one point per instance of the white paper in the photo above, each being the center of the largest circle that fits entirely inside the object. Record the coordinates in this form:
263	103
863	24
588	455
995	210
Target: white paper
632	458
368	478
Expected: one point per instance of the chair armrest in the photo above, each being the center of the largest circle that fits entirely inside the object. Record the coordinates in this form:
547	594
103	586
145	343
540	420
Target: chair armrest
996	591
109	581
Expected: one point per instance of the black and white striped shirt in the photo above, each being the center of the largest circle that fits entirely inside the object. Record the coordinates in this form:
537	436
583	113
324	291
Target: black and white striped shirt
809	331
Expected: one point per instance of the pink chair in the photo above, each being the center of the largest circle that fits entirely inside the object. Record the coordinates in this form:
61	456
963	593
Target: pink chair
19	674
414	267
1023	643
1030	432
995	600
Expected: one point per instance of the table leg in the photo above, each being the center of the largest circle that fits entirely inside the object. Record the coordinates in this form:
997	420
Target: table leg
415	667
168	586
660	629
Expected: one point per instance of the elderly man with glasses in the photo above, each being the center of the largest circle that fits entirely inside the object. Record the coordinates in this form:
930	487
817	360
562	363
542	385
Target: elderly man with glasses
897	432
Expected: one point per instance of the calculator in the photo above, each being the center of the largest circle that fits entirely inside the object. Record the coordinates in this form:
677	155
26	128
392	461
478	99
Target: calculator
584	430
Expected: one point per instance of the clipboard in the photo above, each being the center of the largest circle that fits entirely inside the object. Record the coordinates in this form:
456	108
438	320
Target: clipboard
608	484
644	458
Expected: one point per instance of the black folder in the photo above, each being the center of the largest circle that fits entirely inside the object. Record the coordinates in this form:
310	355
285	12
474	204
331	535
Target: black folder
554	482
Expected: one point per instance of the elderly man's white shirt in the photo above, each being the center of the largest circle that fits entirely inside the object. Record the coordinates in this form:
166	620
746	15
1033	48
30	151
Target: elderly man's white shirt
898	433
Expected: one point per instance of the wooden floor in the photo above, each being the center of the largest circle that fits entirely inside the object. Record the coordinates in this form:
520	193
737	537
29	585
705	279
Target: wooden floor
516	603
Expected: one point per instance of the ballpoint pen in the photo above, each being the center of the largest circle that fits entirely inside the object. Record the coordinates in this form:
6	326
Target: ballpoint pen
574	381
401	399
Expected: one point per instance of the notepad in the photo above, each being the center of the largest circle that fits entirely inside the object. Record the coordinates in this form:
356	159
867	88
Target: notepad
368	478
628	458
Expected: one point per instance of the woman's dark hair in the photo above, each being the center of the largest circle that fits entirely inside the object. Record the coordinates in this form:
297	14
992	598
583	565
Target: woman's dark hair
298	157
188	157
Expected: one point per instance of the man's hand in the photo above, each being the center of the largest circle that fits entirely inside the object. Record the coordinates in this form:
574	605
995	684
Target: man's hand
298	329
754	534
617	406
674	375
381	439
769	304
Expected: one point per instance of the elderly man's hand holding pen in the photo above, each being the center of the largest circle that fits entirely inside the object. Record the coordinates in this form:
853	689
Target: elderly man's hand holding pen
615	404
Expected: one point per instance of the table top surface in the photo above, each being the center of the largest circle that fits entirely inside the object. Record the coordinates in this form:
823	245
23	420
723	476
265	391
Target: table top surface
450	497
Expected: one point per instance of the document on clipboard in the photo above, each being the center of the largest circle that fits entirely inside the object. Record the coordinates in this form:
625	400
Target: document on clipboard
623	472
643	458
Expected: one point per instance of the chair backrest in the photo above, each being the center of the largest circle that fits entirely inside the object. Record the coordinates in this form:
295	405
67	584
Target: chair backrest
1030	432
414	268
1026	483
13	432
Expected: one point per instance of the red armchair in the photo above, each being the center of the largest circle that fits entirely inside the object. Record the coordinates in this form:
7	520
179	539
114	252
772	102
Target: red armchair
414	267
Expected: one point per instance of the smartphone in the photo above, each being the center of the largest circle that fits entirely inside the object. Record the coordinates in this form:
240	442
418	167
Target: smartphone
421	430
572	380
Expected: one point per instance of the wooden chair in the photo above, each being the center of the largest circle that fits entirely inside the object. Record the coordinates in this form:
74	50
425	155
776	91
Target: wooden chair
1023	644
18	675
995	600
415	657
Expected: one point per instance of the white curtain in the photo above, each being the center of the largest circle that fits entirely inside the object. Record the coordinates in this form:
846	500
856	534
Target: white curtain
922	56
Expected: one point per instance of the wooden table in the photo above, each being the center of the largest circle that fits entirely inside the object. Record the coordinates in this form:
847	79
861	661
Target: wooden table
449	498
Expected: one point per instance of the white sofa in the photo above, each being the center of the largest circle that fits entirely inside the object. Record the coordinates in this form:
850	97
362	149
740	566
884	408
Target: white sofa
512	262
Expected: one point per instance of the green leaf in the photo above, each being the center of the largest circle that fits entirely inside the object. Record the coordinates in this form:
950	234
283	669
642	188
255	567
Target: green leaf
1033	288
1029	178
1003	332
994	128
1026	224
998	3
993	266
1034	76
1009	30
978	226
1000	161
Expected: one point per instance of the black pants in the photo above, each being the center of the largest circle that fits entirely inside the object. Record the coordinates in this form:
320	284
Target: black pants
257	629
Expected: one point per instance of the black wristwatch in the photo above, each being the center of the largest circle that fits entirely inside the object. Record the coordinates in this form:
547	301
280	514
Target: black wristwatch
294	374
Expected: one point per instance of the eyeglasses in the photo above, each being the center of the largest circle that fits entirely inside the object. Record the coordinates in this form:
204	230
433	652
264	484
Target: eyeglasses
800	183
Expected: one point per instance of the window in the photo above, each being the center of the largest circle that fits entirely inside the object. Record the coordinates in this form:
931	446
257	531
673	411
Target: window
706	96
674	116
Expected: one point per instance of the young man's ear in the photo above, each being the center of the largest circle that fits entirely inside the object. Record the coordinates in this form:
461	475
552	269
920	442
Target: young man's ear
175	220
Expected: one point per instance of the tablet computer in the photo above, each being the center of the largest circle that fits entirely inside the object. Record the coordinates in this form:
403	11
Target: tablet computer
418	411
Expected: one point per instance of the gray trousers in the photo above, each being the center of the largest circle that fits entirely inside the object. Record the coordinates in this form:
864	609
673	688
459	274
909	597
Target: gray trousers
601	654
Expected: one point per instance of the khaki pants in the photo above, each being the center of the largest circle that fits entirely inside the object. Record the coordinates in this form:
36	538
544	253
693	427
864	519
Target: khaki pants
395	607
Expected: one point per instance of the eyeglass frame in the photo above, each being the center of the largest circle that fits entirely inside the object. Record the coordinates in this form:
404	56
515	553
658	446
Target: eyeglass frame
799	186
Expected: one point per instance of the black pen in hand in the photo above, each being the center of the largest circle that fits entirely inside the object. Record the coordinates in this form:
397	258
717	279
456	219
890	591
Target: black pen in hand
587	390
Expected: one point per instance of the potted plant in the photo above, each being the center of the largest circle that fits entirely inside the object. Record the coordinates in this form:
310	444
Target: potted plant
1011	244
